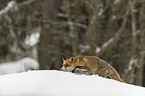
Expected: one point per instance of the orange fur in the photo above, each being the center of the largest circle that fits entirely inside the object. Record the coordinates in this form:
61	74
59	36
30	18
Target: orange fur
92	64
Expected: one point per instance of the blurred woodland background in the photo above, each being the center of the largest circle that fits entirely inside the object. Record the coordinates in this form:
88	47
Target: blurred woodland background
113	30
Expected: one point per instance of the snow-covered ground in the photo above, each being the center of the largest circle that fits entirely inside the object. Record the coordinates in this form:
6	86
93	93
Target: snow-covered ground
21	65
58	83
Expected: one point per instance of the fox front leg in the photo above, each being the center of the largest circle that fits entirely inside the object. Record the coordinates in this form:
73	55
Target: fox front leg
76	68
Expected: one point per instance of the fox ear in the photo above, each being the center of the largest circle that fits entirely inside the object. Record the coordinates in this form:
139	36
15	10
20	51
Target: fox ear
71	59
63	60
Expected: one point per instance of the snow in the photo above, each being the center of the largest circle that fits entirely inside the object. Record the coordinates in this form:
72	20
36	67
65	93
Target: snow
108	42
84	48
58	83
98	50
131	62
32	39
22	65
100	12
114	17
11	5
116	1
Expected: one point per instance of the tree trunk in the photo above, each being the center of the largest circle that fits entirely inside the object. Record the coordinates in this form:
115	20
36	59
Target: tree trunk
46	46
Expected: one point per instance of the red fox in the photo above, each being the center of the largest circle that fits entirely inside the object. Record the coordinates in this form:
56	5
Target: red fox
92	64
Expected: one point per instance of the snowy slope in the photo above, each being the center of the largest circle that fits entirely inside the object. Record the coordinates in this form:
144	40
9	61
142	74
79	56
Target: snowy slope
57	83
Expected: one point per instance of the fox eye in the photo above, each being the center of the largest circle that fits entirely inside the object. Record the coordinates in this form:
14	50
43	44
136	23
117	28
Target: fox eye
71	60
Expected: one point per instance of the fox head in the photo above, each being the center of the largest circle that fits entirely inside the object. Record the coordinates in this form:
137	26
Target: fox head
68	64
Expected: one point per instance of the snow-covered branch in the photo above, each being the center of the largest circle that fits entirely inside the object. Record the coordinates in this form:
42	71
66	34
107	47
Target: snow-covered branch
12	5
131	62
78	24
64	15
27	2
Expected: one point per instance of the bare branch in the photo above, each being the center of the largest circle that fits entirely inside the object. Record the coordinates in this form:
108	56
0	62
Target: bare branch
112	41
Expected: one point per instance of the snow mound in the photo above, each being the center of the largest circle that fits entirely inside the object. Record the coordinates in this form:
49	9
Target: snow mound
22	65
58	83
